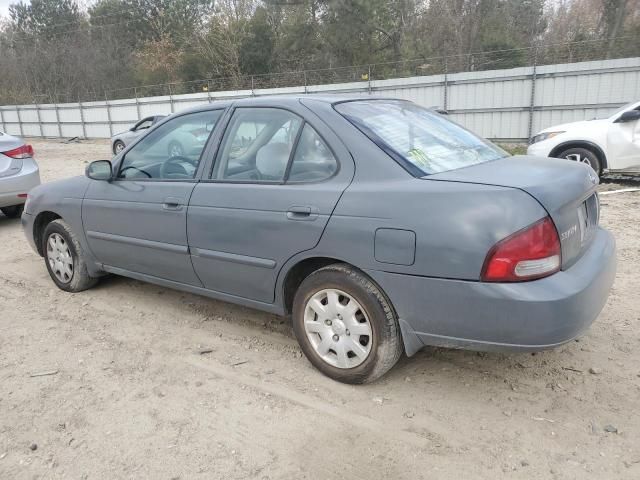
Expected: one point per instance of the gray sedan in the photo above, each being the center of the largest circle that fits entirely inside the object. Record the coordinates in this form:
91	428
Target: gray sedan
19	173
377	225
120	140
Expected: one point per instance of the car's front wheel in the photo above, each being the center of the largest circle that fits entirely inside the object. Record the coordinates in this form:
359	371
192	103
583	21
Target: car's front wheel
65	258
345	325
583	155
12	212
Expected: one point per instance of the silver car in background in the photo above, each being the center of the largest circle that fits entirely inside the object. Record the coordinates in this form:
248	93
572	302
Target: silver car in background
19	173
123	139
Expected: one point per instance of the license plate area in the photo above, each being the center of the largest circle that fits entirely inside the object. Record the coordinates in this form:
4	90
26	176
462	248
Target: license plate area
588	218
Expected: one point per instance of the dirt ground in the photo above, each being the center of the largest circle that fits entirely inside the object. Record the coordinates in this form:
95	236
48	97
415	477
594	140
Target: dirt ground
137	396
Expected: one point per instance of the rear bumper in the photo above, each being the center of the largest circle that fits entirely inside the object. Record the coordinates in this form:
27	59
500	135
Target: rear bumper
21	183
526	316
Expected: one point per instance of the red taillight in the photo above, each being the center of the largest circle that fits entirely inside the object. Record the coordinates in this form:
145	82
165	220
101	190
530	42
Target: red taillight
25	151
533	252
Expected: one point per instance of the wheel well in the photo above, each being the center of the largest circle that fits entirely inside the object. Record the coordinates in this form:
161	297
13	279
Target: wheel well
42	220
592	147
298	273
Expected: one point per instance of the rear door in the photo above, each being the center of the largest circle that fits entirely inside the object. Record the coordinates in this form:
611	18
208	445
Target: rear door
138	221
277	177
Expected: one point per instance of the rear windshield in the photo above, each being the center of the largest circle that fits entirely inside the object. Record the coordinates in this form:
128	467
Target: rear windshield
423	141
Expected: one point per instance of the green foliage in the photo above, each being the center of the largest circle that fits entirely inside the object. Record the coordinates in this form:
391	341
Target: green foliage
514	148
42	24
45	18
56	48
502	55
256	48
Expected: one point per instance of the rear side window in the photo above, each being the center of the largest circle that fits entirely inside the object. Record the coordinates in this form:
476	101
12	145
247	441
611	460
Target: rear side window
144	124
422	141
313	161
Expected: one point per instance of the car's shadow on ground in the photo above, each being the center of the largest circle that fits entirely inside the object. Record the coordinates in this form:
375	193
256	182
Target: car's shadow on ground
6	222
202	308
508	372
496	376
621	179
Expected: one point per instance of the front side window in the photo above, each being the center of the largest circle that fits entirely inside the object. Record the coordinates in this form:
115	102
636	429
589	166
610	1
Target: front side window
257	145
421	140
172	151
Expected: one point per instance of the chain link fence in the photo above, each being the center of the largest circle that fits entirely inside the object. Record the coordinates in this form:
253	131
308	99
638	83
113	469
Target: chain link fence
490	93
567	52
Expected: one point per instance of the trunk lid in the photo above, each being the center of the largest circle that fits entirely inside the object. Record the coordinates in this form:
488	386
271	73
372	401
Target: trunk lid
567	191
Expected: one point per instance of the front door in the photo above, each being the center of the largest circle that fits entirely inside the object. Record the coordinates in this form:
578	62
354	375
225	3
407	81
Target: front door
276	181
623	145
138	221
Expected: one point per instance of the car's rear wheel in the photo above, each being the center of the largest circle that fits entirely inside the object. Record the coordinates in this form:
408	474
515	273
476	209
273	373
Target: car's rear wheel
345	325
583	155
12	212
65	258
118	146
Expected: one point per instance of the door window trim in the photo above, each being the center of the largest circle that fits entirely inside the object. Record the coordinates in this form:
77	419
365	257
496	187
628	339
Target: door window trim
208	177
290	164
201	160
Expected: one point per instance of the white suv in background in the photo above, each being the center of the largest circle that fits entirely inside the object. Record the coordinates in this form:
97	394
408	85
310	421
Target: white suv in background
608	144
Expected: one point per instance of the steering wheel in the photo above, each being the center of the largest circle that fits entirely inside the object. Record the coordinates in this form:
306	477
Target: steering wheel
130	167
174	161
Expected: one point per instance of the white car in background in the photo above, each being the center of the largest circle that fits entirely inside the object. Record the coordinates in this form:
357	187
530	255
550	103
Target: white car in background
609	144
19	173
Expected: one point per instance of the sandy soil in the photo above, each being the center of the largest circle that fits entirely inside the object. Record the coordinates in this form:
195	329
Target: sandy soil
135	396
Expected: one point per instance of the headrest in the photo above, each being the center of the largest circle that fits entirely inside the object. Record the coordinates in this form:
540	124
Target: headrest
272	158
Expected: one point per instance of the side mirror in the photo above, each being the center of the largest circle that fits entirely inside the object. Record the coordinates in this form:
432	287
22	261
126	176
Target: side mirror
630	116
100	170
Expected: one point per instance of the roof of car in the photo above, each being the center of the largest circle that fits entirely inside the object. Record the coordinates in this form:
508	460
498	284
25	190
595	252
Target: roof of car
322	97
284	99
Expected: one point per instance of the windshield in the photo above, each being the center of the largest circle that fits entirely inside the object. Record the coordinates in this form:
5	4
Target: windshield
421	140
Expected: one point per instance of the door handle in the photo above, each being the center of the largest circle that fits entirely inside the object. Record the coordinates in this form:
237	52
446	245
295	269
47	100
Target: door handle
173	204
302	213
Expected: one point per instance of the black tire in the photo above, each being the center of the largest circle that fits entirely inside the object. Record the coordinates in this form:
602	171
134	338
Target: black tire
387	344
583	155
118	146
80	279
13	212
